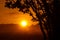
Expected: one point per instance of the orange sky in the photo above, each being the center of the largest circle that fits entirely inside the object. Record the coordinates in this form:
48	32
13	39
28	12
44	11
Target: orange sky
8	16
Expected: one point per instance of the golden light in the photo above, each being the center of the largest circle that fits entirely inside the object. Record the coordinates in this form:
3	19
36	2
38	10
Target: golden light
23	23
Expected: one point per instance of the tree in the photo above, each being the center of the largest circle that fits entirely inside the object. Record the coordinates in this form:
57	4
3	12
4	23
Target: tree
42	9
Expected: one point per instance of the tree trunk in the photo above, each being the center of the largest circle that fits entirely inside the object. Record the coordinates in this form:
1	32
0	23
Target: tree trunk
41	27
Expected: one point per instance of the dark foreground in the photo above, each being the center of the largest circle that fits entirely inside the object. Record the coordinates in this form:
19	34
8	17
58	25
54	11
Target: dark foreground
11	32
20	37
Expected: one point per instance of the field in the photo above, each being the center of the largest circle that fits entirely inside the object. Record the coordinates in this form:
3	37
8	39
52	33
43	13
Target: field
15	32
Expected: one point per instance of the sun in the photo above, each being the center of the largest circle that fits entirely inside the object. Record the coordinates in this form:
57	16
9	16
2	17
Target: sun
23	23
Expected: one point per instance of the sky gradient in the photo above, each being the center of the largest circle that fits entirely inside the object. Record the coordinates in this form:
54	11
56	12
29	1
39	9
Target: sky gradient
12	16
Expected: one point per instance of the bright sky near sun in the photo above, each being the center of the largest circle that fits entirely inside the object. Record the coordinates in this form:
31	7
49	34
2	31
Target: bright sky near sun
8	16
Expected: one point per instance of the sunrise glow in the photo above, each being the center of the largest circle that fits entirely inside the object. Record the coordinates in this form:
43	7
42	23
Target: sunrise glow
23	23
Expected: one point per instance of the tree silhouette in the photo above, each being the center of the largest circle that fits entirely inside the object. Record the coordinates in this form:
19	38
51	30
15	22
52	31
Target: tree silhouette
43	10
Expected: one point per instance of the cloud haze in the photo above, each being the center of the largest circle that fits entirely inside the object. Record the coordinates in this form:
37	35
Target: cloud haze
8	16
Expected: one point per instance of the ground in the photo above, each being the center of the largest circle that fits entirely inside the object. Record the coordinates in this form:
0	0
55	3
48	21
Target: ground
14	32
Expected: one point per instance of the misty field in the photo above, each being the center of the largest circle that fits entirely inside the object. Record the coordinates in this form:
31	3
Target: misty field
15	32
